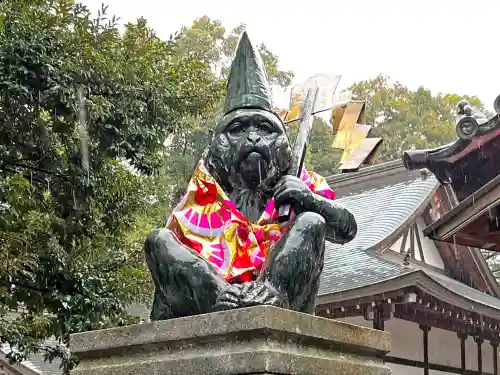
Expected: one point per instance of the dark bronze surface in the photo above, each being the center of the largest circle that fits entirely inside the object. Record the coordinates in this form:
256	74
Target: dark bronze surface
470	162
250	157
471	124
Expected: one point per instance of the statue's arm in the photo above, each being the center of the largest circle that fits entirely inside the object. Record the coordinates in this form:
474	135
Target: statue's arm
341	224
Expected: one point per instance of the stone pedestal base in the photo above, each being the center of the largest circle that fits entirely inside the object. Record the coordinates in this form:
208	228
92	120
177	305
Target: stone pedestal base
259	340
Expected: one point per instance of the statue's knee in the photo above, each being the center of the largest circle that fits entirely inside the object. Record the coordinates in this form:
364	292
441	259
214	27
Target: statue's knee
157	238
310	222
312	229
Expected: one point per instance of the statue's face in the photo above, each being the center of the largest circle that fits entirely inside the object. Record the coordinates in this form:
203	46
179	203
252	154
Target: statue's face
250	148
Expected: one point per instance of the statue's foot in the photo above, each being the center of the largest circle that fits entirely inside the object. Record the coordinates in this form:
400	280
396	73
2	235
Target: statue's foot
253	293
256	293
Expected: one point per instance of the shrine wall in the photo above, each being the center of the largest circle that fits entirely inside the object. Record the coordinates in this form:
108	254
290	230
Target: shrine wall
444	347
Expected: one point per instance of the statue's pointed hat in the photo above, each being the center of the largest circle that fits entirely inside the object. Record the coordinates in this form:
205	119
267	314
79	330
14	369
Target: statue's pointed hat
247	84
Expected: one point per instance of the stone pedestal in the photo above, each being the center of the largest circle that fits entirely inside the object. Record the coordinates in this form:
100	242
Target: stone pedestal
258	340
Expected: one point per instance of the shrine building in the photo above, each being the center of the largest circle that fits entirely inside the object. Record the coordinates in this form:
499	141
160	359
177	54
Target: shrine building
414	268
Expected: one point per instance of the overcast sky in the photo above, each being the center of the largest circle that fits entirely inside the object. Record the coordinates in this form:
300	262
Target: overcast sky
443	45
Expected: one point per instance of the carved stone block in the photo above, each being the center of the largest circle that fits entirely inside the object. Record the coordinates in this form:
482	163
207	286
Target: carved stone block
257	340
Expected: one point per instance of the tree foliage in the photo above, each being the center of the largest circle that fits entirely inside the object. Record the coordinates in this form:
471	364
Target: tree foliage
76	100
215	46
407	119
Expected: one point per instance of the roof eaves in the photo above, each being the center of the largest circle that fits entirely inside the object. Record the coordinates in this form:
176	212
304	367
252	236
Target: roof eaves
382	214
486	272
426	283
384	168
475	129
400	280
397	258
469	201
23	368
36	362
372	177
388	241
477	256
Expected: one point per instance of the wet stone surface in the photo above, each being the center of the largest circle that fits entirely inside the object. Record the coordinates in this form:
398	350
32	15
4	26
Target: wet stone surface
256	340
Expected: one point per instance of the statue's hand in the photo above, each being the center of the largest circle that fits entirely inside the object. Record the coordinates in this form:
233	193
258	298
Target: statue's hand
255	293
292	190
228	299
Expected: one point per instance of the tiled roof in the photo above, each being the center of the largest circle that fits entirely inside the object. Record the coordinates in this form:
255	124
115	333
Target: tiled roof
379	211
473	295
382	205
36	362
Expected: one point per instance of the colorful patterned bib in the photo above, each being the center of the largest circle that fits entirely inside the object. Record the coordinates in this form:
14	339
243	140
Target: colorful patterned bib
210	224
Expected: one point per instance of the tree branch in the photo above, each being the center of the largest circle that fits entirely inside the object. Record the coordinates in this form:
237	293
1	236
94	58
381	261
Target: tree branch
22	165
24	286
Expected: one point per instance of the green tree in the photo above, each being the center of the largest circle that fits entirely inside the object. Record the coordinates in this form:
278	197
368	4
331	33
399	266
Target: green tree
76	101
407	119
209	40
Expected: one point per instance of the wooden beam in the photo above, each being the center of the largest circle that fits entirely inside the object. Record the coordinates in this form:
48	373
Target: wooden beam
479	341
425	336
378	317
494	346
403	242
462	336
419	243
412	241
438	320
